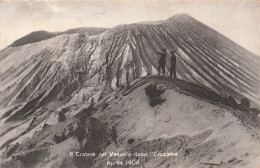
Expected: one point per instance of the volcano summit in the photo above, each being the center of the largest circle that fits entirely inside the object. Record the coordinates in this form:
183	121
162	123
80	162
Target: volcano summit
62	92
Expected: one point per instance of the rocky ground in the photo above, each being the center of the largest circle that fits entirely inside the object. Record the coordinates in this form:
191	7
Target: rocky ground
196	125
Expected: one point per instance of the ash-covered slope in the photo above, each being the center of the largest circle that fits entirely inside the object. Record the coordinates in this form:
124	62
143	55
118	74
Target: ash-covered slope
70	68
44	35
190	123
204	57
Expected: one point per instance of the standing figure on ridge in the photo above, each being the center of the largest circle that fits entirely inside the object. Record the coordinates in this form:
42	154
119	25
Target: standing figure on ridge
114	135
80	76
173	64
162	61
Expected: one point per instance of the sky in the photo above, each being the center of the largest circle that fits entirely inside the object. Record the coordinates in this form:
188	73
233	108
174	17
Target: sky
238	20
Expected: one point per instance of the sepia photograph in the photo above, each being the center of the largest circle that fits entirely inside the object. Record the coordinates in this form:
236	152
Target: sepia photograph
130	84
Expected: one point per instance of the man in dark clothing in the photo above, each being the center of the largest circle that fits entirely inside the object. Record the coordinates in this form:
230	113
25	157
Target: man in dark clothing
80	76
162	61
114	135
173	64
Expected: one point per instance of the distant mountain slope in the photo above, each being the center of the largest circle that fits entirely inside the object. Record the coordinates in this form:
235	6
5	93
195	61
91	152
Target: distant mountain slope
43	35
91	31
33	37
34	75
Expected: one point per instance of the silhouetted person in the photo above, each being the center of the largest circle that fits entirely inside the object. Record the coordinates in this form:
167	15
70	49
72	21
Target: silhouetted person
231	102
162	61
173	64
80	76
114	135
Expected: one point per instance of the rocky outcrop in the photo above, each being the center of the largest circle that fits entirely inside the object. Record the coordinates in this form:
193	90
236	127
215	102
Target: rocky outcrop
145	132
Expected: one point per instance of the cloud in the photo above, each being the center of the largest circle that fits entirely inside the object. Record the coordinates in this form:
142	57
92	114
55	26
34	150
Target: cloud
37	10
